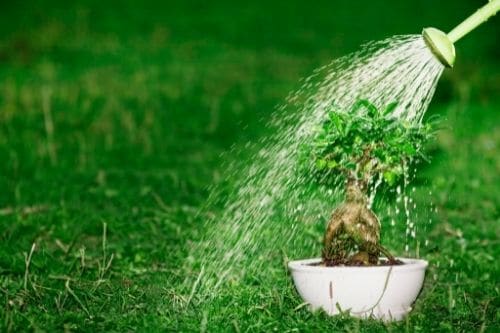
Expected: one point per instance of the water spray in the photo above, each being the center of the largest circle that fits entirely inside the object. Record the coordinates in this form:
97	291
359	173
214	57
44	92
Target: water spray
272	189
442	44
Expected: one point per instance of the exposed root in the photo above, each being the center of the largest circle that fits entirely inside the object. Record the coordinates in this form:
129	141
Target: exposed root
352	237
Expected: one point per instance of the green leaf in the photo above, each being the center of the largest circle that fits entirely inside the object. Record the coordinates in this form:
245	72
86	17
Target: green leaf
409	149
390	177
320	164
337	121
332	164
372	109
389	108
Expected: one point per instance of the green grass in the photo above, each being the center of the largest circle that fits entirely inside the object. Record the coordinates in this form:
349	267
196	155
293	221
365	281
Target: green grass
113	118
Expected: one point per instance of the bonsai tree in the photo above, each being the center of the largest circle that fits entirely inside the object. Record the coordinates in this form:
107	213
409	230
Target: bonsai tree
357	149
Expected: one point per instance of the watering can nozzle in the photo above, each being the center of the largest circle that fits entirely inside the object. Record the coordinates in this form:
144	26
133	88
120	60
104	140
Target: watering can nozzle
440	45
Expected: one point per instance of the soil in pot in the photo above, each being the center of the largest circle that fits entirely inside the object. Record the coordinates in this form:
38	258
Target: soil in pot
354	263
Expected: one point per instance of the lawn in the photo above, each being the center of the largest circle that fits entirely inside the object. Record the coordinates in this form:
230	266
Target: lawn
113	119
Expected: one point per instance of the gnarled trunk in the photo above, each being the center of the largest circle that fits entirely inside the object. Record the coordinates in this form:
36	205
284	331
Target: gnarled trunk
353	233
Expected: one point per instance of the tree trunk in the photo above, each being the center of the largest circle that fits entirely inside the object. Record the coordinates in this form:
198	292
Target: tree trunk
353	233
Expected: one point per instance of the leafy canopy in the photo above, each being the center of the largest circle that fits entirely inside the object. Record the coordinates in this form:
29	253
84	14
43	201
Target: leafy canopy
365	143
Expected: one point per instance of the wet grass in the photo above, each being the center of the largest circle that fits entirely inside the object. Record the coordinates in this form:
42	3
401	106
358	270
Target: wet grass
112	122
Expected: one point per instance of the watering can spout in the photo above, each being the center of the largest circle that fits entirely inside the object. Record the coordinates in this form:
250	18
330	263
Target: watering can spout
441	44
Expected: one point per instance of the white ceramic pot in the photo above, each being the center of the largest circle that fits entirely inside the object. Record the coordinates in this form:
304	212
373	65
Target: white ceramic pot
382	292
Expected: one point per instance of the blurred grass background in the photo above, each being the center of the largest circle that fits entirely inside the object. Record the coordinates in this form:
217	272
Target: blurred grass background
116	113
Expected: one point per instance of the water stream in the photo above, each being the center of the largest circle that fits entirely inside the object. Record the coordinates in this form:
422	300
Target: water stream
272	209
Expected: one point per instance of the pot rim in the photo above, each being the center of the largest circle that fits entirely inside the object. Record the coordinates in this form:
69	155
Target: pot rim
304	265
